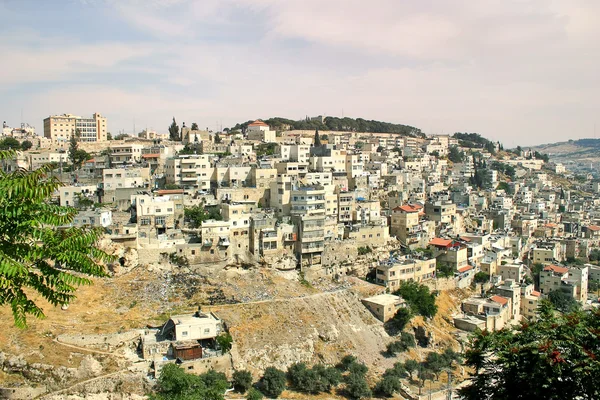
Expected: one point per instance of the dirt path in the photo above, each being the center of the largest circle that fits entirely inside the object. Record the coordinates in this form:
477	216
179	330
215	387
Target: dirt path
72	346
63	391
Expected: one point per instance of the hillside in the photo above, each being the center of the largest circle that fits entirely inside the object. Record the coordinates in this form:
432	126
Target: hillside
586	150
337	124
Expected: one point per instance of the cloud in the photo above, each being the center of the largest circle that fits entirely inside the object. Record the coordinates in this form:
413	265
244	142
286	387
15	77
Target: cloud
511	69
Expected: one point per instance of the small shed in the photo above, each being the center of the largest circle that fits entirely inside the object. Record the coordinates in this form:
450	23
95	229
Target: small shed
187	351
384	306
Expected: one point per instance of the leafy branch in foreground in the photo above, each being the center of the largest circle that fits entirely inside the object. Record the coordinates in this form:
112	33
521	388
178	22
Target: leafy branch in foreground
39	251
555	357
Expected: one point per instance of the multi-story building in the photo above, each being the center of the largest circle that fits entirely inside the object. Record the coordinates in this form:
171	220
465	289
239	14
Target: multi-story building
116	178
573	280
60	128
392	272
70	195
194	171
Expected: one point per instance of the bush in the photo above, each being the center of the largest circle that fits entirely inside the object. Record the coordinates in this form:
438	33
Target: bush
411	366
398	370
408	340
481	277
364	250
254	394
346	361
273	382
358	369
388	385
418	297
174	383
401	318
242	380
394	348
357	387
224	340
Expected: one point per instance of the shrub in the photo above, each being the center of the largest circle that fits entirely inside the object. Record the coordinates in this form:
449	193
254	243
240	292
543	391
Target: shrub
401	318
224	340
273	382
418	297
481	277
254	394
408	340
411	366
242	380
357	387
358	369
346	361
388	385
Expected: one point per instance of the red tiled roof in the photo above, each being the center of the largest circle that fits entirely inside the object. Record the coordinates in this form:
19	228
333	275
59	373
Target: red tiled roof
557	269
466	239
465	268
408	208
594	228
535	293
499	299
170	191
151	155
550	225
258	123
440	242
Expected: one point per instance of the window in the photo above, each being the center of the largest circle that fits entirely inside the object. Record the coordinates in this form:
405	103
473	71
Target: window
184	333
206	330
145	221
159	220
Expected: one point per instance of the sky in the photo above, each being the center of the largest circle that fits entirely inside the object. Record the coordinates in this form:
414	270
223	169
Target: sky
523	72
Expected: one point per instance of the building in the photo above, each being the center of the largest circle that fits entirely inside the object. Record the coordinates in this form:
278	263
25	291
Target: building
60	128
573	281
392	272
260	132
384	306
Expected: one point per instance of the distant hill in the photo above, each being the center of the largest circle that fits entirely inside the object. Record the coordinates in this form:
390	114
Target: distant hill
576	150
337	124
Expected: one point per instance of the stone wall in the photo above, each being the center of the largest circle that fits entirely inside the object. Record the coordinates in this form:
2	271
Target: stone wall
21	393
100	341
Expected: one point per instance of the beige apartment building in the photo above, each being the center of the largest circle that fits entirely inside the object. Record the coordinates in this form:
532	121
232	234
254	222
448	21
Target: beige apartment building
59	128
392	272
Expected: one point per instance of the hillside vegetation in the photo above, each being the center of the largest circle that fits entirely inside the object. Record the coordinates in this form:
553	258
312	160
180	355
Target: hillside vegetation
337	124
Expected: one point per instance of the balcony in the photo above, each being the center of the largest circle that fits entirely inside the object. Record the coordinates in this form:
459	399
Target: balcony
189	178
184	170
207	243
224	242
312	228
313	248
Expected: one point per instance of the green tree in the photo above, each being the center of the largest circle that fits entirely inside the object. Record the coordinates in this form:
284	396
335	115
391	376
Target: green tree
357	387
175	384
401	318
552	358
435	363
481	277
218	138
26	145
418	297
10	143
174	131
388	385
411	366
77	156
346	362
35	255
273	382
194	126
109	136
197	214
242	380
254	394
224	340
562	301
455	155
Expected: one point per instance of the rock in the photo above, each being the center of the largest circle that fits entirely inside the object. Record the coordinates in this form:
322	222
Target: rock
64	307
89	367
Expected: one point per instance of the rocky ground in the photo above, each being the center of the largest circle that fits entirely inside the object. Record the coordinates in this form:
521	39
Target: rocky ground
276	318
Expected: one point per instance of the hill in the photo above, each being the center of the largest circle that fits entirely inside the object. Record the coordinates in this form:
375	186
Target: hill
337	124
585	150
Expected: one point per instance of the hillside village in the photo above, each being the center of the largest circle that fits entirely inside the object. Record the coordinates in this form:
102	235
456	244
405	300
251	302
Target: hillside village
345	215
